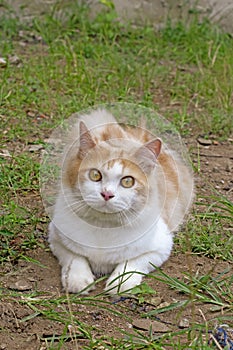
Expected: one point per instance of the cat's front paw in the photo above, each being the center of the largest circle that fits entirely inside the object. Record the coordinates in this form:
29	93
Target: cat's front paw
76	281
121	281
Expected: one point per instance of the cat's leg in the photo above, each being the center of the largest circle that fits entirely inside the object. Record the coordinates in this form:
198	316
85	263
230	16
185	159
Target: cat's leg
76	274
129	274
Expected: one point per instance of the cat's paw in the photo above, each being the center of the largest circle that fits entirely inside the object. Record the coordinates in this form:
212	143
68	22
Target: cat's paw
120	281
76	281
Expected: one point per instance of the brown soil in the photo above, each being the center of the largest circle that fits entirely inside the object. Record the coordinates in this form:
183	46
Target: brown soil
23	325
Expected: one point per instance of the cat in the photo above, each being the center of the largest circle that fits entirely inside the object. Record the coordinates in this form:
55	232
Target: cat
122	195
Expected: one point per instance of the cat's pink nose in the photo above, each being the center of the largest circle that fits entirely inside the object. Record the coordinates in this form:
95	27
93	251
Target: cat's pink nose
107	195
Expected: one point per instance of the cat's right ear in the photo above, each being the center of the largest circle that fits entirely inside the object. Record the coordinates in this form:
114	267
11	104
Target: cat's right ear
148	154
85	141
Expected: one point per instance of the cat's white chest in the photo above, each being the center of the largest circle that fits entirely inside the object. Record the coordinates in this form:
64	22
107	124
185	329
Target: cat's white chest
107	247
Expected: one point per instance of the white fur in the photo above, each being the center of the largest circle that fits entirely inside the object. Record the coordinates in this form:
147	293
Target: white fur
84	249
94	243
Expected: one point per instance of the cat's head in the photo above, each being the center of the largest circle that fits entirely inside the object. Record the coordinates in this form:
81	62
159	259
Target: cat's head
111	173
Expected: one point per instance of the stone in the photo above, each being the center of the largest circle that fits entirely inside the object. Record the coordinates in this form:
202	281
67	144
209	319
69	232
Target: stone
35	148
184	323
204	142
21	285
150	325
3	62
5	153
14	59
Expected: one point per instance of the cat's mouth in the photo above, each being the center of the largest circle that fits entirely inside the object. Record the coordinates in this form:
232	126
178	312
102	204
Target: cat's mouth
101	205
108	207
102	213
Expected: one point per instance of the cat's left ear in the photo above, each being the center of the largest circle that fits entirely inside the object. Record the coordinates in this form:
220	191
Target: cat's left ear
85	142
148	154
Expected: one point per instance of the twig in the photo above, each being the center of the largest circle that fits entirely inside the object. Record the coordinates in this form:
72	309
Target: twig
216	342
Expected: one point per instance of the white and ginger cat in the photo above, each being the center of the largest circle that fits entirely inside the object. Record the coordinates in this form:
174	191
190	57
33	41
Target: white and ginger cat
122	194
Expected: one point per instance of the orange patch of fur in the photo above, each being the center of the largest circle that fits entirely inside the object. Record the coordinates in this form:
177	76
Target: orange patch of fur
111	131
139	134
131	169
169	169
172	178
71	171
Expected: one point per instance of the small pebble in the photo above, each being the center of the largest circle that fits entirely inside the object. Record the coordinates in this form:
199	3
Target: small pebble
20	285
14	59
52	141
184	323
5	153
3	62
229	167
149	325
154	301
35	148
204	142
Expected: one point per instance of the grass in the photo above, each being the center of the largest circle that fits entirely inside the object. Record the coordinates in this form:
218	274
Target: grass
211	229
67	63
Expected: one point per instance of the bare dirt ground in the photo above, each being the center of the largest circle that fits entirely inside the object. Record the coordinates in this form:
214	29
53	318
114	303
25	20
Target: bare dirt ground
22	327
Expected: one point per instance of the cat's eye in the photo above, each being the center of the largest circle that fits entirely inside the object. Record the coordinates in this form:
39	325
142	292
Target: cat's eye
95	175
127	181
